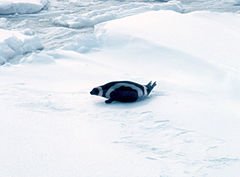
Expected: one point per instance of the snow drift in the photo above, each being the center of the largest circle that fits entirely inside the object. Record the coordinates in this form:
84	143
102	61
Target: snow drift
21	6
174	30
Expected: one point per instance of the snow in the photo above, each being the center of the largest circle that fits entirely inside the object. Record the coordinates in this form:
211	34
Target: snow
21	6
15	44
189	126
38	58
190	58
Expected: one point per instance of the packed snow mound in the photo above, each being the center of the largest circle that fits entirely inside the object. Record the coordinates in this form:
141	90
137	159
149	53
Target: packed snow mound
190	38
110	13
21	6
15	44
38	58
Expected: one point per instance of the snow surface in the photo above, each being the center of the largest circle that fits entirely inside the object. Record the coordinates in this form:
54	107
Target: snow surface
189	126
21	6
15	44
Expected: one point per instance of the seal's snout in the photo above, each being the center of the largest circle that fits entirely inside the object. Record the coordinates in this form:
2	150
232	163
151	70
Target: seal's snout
94	91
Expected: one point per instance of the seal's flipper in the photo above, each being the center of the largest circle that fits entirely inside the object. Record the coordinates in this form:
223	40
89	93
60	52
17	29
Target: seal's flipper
154	84
150	86
110	100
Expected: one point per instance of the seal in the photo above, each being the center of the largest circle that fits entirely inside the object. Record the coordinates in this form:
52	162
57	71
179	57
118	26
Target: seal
123	91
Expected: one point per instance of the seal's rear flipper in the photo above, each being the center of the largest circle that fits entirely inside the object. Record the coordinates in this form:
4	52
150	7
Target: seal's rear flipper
150	86
154	84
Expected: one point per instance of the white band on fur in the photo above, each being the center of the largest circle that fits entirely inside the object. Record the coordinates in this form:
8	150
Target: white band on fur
145	90
116	86
100	93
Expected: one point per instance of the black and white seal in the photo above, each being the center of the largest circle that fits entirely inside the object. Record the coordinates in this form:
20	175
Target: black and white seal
123	91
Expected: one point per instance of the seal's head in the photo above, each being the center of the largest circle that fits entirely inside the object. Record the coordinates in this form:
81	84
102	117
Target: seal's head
95	91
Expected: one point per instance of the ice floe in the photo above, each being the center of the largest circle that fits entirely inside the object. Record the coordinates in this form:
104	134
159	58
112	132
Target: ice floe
237	1
94	17
15	44
21	6
3	22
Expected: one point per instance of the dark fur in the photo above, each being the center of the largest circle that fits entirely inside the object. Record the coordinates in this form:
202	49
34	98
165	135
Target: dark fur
105	87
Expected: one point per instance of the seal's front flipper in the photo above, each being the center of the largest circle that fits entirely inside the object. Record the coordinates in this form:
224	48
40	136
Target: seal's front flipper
110	100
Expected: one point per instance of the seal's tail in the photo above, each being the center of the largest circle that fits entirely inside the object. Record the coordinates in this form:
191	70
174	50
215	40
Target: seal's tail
150	86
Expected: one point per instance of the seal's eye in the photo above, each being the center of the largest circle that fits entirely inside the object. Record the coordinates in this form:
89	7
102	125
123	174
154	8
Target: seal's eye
94	91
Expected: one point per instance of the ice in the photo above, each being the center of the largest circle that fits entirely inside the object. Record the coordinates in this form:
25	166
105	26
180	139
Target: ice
94	17
21	6
86	43
237	1
15	44
3	22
